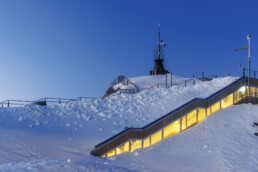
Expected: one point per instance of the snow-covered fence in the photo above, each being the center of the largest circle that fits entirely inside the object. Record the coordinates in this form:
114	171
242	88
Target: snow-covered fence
130	91
43	101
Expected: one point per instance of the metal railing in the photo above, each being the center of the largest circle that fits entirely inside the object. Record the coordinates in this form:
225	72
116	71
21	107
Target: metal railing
238	72
183	83
252	73
43	101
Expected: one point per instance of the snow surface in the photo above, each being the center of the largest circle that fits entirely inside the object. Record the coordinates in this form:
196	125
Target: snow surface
51	165
60	137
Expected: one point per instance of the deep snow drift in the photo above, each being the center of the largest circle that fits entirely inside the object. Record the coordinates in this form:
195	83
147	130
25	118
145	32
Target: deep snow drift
60	137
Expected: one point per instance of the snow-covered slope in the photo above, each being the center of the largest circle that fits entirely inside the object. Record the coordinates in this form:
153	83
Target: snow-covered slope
60	135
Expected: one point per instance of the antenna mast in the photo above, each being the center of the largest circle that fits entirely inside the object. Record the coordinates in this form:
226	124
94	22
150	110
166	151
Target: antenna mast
158	54
159	44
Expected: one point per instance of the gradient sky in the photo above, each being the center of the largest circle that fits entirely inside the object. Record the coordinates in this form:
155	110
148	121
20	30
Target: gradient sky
60	48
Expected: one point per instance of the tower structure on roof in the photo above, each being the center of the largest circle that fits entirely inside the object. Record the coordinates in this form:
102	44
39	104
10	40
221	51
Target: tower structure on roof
159	58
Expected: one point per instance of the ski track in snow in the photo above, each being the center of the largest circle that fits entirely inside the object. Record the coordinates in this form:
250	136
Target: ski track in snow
39	138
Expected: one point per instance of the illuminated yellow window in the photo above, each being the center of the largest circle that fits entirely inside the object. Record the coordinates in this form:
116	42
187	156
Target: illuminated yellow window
226	102
123	148
240	94
112	153
246	93
172	129
184	123
215	107
136	144
253	91
236	96
146	142
156	137
208	111
201	114
191	118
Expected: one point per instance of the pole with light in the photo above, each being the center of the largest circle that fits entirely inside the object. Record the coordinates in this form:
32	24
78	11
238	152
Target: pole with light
247	47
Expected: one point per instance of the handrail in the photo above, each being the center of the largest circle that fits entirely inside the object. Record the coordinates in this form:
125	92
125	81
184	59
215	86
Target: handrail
141	133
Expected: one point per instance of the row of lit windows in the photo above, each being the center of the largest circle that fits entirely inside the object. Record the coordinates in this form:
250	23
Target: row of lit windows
192	118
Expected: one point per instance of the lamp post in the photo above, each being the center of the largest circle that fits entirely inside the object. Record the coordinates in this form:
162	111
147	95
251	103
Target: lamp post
248	47
249	39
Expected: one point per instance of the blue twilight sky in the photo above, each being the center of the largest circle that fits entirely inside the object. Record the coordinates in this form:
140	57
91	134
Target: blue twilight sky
61	48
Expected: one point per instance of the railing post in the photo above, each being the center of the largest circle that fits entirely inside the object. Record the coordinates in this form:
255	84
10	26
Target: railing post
59	101
167	81
129	145
180	124
233	98
8	103
171	80
243	72
197	115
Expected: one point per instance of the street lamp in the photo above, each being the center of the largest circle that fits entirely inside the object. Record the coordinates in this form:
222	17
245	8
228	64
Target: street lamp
247	47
